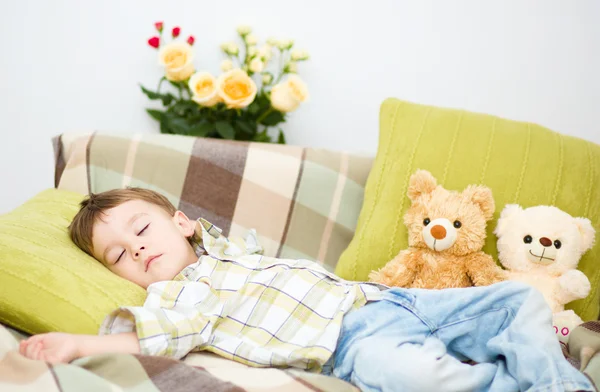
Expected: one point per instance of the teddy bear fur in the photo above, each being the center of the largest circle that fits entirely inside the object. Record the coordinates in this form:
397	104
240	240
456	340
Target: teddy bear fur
541	246
440	254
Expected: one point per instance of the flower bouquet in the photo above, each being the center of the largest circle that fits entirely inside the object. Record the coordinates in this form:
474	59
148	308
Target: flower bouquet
256	90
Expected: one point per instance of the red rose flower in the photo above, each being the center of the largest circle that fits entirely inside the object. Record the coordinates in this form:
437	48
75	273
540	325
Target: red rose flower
176	31
191	40
154	42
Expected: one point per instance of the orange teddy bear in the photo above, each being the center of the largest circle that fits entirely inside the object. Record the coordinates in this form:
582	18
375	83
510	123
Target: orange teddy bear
446	232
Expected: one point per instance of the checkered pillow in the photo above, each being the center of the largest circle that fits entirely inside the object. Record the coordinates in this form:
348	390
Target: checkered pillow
303	202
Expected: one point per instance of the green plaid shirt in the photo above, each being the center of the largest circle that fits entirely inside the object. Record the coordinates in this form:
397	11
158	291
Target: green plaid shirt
258	310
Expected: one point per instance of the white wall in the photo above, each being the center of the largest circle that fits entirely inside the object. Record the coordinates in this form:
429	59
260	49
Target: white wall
74	65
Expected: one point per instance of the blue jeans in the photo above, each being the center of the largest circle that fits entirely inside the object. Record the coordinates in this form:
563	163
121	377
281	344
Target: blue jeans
416	340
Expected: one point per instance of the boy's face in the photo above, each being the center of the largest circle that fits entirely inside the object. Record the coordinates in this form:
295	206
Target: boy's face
142	243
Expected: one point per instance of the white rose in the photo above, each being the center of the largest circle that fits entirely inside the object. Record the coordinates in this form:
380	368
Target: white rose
273	41
230	48
285	44
265	52
244	30
287	96
177	58
267	78
251	39
226	65
299	55
256	65
204	89
236	89
252	51
292	67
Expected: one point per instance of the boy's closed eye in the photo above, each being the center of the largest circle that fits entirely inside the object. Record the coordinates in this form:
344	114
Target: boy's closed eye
123	252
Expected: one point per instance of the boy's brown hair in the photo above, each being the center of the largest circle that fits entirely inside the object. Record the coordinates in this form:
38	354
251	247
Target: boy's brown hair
95	205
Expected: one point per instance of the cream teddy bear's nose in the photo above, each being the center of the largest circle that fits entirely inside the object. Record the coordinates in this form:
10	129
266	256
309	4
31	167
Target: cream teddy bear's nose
546	241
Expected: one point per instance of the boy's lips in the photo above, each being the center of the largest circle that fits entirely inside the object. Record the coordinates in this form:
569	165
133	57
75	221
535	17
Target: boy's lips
150	260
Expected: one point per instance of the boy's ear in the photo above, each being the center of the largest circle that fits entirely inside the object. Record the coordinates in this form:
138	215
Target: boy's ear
184	224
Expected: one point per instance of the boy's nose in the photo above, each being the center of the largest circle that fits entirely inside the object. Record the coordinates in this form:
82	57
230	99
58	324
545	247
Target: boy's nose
137	254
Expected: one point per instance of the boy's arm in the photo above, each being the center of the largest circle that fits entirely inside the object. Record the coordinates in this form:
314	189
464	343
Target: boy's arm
171	323
63	347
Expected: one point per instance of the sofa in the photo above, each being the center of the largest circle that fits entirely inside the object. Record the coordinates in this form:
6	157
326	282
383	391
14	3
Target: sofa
343	210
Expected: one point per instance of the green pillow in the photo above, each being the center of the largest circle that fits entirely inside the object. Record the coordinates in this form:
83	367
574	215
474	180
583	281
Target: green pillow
46	282
521	162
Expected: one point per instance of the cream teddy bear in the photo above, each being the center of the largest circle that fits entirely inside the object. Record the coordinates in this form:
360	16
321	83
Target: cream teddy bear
541	246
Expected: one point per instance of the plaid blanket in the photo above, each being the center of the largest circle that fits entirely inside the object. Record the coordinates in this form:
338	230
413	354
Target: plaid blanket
303	202
139	373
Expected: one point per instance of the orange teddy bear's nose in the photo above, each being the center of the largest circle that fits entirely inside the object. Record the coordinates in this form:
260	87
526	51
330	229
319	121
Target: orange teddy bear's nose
438	232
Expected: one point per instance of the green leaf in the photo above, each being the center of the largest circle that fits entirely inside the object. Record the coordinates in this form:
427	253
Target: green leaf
176	124
273	118
175	84
179	126
263	100
165	98
150	94
184	107
262	137
246	127
164	126
201	129
225	129
281	138
254	107
156	114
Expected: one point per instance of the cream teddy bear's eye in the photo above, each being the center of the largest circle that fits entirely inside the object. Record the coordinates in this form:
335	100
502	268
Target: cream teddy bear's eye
557	244
426	221
527	239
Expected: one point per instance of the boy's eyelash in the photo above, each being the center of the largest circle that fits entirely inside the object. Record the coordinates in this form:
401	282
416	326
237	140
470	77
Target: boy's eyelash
121	255
144	229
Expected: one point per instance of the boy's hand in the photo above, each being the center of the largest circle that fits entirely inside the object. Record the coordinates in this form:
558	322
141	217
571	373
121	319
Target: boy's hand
52	347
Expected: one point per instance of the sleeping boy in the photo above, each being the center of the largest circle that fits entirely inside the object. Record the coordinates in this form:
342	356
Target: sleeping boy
206	292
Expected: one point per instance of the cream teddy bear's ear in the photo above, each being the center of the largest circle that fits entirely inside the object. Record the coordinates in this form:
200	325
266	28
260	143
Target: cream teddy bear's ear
588	234
483	198
421	182
508	212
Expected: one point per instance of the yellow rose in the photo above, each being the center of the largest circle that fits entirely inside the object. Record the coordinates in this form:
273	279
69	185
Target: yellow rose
286	96
236	88
177	59
204	89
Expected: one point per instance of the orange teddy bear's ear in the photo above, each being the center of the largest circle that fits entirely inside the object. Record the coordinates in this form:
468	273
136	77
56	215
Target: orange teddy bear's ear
421	182
482	197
